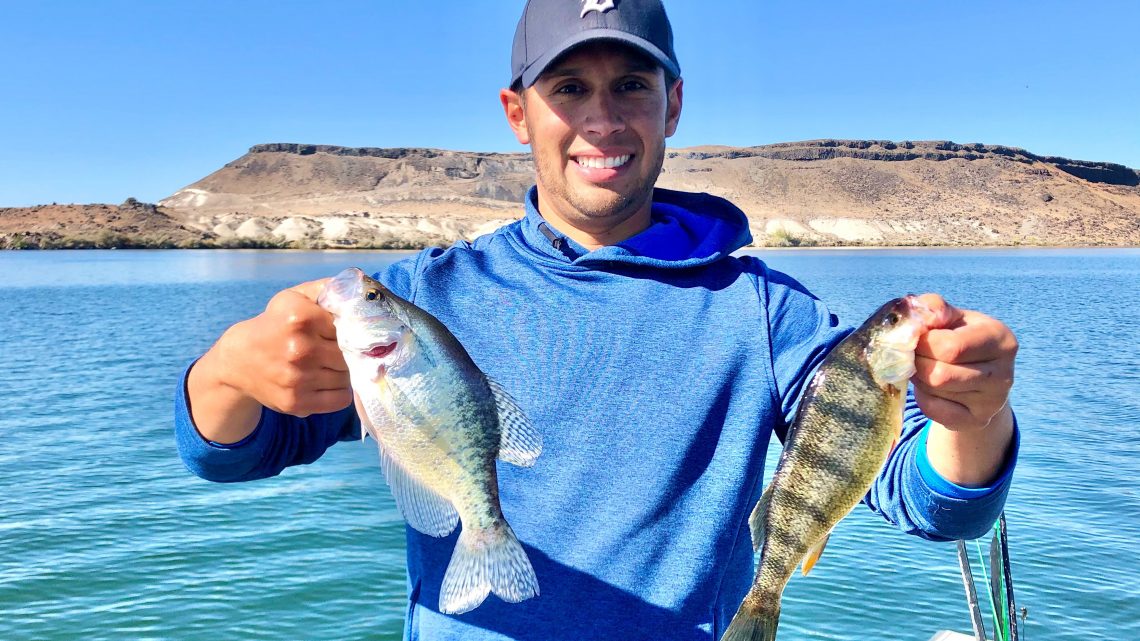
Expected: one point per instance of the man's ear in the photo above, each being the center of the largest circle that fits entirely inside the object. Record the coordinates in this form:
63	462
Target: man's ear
673	107
516	118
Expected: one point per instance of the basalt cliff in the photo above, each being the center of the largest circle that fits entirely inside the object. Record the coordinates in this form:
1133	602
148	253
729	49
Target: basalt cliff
821	192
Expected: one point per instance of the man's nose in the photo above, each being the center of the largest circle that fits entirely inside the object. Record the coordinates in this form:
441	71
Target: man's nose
603	115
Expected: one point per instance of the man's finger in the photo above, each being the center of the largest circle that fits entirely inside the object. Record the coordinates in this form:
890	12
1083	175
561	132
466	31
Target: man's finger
326	401
959	408
299	310
327	380
311	289
967	399
946	315
942	410
331	357
976	339
949	377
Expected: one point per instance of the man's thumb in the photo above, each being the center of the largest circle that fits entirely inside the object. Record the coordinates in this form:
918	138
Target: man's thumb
311	289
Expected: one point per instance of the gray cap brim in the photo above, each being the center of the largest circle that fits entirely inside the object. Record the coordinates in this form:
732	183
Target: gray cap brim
531	73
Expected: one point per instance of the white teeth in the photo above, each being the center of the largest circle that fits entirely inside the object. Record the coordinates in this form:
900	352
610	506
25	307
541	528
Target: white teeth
593	162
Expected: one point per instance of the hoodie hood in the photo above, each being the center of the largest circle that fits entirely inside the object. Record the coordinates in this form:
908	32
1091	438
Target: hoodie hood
685	230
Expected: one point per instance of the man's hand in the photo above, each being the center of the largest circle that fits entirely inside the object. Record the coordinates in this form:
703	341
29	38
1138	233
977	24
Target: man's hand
964	369
964	372
286	359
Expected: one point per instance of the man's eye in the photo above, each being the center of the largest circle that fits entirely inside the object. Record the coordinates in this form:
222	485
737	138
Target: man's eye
568	90
632	85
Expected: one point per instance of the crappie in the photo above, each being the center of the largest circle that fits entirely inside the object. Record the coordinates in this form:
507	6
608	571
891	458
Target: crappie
440	423
849	420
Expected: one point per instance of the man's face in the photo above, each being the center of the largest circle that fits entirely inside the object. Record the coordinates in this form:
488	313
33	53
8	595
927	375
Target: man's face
596	121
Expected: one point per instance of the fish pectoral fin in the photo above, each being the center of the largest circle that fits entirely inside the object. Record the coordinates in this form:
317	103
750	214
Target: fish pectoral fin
367	428
422	507
814	554
519	442
756	521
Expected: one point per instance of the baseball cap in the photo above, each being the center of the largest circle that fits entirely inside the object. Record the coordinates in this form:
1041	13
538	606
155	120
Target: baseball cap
550	28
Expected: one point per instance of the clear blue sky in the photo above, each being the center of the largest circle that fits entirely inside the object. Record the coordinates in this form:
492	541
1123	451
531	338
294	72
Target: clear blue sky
101	100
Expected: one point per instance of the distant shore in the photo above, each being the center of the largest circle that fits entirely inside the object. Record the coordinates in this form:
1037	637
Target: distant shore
16	242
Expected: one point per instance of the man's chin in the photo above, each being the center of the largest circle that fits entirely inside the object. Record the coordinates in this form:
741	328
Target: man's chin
599	201
612	207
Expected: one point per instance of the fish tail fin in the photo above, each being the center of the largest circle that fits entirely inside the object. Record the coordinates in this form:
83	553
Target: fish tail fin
752	626
483	562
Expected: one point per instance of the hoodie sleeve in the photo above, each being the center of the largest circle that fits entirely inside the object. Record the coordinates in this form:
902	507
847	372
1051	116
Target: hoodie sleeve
279	440
908	493
913	496
801	333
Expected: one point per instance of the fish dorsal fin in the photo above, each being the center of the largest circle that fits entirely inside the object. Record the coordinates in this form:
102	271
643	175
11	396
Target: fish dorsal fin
424	509
814	553
756	521
519	442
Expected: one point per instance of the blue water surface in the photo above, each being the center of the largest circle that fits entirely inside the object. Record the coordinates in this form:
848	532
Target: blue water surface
104	535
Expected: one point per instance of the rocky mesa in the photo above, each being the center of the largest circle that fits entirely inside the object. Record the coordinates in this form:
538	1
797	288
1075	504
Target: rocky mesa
820	192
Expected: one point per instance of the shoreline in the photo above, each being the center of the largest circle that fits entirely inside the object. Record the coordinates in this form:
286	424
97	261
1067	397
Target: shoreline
410	248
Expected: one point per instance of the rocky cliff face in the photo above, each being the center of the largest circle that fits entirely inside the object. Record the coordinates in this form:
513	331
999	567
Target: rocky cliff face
861	192
916	193
820	192
1098	172
319	195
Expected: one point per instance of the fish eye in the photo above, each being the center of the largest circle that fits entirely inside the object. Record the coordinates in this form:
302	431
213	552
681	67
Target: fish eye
891	319
372	294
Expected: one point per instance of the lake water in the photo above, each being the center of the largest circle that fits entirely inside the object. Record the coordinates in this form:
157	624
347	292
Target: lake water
104	534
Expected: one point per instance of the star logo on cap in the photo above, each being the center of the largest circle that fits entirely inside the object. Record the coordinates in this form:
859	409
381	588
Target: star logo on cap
601	6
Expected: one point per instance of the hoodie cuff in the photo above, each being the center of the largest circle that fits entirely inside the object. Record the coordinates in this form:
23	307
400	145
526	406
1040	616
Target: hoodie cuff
944	487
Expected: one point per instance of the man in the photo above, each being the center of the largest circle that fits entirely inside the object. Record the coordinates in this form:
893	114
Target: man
654	363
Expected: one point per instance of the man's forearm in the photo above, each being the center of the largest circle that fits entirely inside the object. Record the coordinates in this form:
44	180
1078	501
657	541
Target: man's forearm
971	458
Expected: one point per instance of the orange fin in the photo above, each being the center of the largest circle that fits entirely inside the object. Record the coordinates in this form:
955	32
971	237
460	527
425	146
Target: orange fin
895	441
814	554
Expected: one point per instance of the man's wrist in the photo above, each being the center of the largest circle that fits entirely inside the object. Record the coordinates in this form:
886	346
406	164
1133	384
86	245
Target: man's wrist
219	411
971	458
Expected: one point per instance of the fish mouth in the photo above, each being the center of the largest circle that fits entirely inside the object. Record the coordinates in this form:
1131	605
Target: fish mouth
345	286
917	318
381	350
929	317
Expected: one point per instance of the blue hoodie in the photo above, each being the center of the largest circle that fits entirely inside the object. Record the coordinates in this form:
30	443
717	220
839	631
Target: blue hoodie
657	371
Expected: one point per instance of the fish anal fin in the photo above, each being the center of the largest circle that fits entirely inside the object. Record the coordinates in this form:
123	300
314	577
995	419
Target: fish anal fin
814	554
422	507
519	442
756	521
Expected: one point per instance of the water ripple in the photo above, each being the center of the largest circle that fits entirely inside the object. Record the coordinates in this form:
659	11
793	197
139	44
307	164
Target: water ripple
104	535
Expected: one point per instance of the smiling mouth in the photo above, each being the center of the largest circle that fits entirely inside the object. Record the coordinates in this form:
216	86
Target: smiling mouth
599	162
380	351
